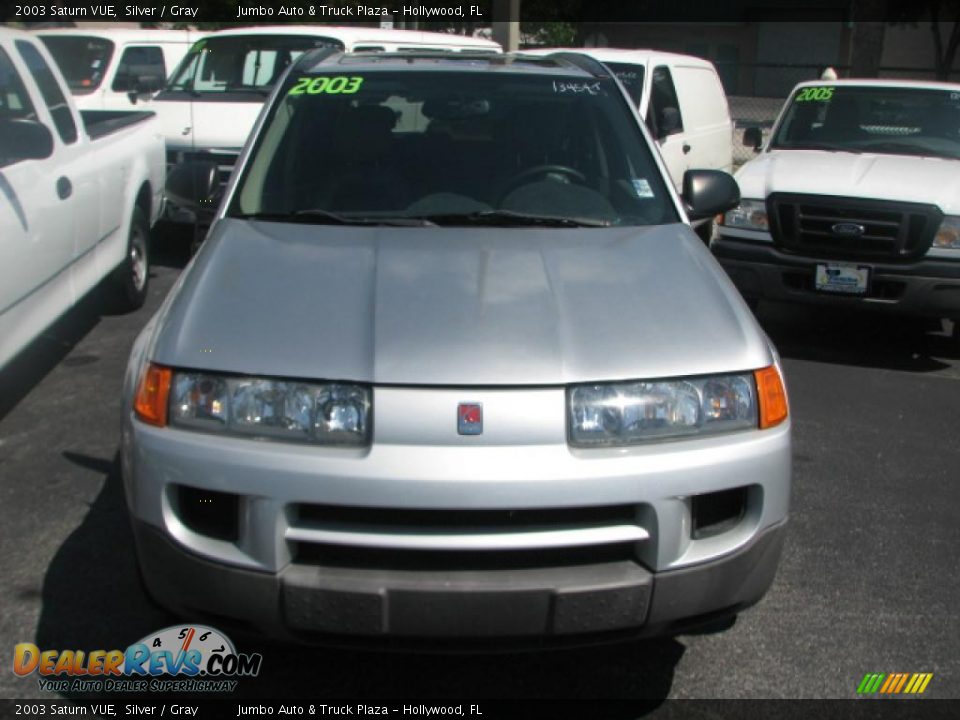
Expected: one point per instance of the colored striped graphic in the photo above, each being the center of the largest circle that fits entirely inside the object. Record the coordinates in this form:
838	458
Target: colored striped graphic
894	683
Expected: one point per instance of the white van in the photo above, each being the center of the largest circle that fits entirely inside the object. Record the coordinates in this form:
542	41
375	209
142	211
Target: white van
115	69
680	98
212	100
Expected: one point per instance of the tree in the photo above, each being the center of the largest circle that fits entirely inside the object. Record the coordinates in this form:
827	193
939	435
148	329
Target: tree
866	42
944	19
945	52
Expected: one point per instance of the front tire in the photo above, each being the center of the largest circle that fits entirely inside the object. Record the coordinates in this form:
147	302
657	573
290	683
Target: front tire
131	279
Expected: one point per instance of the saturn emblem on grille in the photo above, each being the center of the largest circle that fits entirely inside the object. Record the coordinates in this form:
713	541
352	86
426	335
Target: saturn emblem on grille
848	229
470	419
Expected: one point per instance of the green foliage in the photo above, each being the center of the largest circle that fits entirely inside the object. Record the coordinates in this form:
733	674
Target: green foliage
553	34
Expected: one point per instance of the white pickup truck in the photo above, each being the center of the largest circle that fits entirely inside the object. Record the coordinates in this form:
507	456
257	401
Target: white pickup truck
78	195
855	201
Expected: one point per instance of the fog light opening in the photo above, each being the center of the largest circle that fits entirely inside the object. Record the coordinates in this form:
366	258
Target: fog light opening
715	513
210	513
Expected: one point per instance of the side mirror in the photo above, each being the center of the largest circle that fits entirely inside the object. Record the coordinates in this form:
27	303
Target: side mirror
138	85
149	84
194	186
24	140
708	193
753	138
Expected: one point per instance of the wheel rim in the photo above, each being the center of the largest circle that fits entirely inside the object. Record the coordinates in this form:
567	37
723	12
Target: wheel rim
138	261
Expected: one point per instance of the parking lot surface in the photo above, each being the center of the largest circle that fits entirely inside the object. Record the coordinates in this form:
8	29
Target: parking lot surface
868	582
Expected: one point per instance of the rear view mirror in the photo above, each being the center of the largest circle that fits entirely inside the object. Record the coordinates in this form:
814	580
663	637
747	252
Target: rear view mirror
195	186
708	193
753	138
24	140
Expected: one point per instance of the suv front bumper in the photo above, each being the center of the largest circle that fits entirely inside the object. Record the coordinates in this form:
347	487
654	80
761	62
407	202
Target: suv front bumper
329	543
536	607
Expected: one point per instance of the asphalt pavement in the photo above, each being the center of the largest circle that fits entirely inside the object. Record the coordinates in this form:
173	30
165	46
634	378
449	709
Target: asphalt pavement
868	581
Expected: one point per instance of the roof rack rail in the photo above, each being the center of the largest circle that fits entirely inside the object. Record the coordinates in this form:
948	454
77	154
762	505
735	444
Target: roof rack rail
584	62
312	57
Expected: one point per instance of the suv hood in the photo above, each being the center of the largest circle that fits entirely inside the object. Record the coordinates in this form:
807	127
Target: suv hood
883	177
457	306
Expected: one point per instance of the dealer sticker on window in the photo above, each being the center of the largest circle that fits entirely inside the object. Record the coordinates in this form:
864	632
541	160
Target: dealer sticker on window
840	278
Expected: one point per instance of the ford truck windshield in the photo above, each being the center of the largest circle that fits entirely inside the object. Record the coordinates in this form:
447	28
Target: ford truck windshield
875	119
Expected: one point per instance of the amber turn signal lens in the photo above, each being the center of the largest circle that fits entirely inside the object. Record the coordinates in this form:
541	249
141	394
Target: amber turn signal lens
773	397
150	404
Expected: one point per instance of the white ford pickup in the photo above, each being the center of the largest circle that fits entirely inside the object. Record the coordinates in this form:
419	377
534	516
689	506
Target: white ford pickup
78	195
855	201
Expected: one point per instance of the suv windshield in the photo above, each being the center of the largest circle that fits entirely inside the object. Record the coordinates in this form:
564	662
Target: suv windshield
82	60
453	147
894	120
241	63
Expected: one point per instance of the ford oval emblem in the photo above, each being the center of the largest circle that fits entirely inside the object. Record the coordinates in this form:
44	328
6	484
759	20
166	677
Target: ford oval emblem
848	229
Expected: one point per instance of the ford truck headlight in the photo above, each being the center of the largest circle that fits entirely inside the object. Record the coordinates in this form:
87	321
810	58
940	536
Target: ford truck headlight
948	234
749	215
627	413
288	410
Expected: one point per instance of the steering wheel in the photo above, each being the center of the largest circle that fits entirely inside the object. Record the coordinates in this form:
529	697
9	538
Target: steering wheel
521	177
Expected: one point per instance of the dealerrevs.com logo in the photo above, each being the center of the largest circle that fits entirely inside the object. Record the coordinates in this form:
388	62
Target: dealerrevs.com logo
189	658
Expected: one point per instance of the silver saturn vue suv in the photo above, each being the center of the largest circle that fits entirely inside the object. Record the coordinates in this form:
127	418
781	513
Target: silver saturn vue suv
452	367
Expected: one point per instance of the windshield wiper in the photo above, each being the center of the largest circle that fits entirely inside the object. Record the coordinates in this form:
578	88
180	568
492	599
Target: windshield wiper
264	91
181	88
508	218
897	148
829	147
315	216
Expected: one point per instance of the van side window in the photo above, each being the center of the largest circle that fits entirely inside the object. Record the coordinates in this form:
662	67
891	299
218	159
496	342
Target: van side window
664	106
50	90
138	64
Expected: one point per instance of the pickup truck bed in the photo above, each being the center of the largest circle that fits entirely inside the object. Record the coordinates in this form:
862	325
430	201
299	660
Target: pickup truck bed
99	123
79	194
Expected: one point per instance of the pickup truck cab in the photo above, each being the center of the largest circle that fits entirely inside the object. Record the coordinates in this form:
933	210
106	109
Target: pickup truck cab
855	201
78	194
213	98
116	68
438	375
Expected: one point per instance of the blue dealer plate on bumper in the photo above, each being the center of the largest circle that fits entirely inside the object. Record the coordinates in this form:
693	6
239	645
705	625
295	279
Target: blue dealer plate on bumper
842	278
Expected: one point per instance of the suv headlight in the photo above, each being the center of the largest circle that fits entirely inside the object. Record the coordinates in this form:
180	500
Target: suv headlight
288	410
948	234
634	412
749	214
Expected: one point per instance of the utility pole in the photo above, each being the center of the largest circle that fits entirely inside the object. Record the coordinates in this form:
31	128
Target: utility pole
506	26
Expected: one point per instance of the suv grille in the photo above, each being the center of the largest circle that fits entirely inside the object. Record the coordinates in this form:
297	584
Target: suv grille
875	229
374	537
